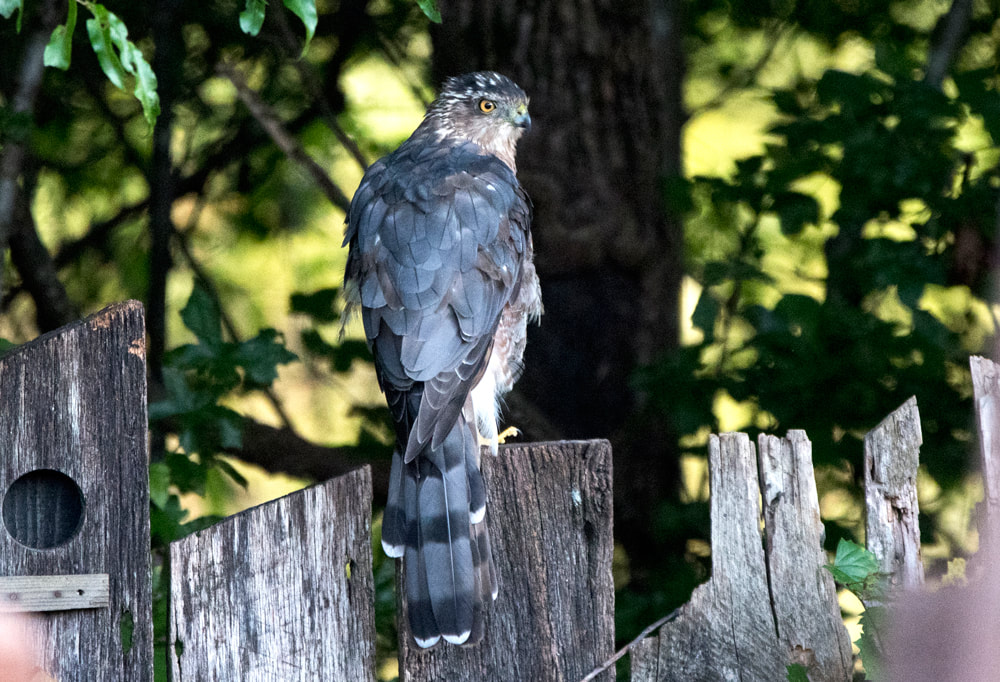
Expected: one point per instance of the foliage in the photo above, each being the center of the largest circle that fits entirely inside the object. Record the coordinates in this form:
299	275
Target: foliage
857	569
197	378
844	267
117	55
797	673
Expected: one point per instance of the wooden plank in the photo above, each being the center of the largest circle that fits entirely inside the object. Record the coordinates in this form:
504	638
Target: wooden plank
803	593
986	391
283	591
892	454
727	631
550	521
74	401
54	592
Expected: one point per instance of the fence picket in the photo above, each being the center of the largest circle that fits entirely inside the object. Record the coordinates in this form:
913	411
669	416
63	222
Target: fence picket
283	591
550	524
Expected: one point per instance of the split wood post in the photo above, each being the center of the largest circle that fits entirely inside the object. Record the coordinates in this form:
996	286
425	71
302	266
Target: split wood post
283	591
74	544
892	534
803	593
758	612
986	391
549	509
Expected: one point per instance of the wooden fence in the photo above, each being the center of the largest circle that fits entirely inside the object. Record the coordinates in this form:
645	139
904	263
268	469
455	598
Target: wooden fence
285	591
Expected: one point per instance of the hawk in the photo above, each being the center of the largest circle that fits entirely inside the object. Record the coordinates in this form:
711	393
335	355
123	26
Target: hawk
440	266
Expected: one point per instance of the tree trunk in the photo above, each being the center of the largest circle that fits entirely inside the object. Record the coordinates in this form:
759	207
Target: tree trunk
604	79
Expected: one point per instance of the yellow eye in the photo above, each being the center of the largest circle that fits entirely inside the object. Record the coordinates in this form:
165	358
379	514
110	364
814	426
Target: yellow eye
487	106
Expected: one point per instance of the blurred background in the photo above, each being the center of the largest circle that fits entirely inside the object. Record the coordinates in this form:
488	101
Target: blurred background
749	216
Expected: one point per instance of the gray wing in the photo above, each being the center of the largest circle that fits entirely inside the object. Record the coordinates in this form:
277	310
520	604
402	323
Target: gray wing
437	235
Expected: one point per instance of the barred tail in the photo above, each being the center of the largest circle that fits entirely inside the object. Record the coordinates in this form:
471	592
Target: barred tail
435	519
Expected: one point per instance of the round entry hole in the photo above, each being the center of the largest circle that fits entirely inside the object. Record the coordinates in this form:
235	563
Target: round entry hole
43	509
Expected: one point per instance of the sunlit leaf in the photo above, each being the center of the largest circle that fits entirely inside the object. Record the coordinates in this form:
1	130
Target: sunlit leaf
252	18
99	30
60	48
853	564
430	8
306	11
119	56
8	7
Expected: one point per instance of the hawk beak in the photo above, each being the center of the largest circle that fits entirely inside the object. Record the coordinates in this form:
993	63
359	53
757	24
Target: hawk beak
522	119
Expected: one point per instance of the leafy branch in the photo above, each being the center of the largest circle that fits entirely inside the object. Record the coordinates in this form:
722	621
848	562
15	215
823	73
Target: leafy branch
857	569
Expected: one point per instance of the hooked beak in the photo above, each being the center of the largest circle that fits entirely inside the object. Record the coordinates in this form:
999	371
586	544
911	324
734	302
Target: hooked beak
522	119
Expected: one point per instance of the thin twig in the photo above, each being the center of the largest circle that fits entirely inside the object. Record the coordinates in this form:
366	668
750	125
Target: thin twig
746	77
628	647
270	122
942	53
312	84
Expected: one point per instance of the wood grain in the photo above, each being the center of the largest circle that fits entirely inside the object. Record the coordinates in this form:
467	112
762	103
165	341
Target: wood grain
767	605
727	630
892	454
986	391
550	515
283	591
803	593
54	592
75	401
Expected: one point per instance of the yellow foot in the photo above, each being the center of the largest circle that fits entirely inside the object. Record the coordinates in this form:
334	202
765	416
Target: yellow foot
509	432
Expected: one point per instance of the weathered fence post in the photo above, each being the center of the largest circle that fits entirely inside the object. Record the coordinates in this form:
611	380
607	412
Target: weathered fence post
550	527
756	615
75	487
892	454
803	593
283	591
986	390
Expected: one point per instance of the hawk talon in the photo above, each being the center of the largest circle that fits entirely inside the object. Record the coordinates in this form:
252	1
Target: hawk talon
509	432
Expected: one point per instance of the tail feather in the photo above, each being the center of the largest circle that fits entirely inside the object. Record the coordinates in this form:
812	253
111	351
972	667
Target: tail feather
394	524
477	486
424	628
449	573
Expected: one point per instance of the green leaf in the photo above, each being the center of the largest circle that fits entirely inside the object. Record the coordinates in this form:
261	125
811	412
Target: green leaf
431	10
853	564
60	48
797	672
252	18
306	11
796	210
260	357
145	88
873	626
119	56
159	483
8	7
201	315
705	314
99	30
320	305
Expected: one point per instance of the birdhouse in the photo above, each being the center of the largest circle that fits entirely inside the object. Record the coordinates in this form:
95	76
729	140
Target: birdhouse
74	497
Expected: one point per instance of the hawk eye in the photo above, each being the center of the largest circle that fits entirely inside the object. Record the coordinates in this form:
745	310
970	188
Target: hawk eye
487	106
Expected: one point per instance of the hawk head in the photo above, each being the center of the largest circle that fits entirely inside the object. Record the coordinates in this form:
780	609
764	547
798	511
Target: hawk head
482	107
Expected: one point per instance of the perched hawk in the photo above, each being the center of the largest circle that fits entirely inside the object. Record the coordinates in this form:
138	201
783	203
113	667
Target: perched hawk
440	265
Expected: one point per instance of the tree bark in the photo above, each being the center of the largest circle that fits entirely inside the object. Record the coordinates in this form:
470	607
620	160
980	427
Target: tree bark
604	79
